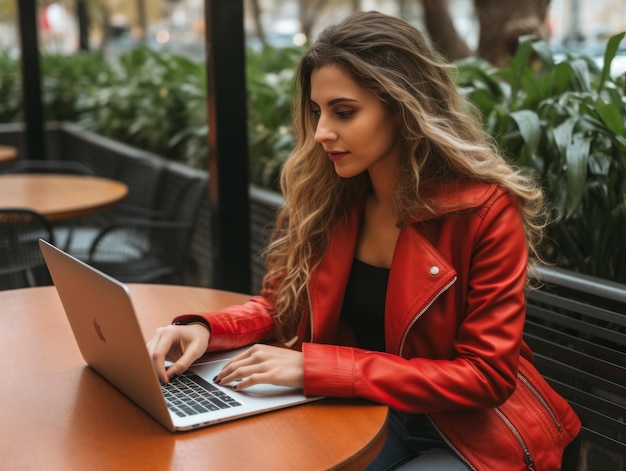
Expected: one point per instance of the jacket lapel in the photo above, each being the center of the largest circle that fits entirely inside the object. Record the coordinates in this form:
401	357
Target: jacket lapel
328	282
418	275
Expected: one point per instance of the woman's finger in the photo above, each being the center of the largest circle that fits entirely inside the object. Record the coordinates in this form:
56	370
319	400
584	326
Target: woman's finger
264	364
182	343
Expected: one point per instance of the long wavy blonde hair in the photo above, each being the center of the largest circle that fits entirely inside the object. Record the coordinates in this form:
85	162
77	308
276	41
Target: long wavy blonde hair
442	140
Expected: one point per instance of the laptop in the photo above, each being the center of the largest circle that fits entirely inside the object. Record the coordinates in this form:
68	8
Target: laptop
103	321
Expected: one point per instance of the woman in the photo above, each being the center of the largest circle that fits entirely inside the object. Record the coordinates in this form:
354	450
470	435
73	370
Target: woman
397	269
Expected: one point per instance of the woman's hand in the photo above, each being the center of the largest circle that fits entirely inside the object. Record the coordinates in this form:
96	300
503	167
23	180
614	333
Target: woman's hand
264	364
182	344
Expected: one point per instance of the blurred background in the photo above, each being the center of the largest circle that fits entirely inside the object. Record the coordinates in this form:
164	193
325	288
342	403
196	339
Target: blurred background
113	26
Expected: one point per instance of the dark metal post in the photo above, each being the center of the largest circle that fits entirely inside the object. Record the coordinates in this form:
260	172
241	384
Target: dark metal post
228	145
31	81
83	25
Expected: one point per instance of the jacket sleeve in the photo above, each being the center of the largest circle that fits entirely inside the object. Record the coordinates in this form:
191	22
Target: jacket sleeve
486	308
236	326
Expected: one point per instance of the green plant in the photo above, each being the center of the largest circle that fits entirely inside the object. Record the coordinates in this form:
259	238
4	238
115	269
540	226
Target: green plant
154	101
270	74
565	123
157	101
10	88
68	82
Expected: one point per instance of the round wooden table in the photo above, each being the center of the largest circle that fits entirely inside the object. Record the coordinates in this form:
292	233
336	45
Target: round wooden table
59	196
59	414
7	153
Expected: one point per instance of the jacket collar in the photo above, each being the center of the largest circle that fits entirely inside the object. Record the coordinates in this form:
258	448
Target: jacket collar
452	197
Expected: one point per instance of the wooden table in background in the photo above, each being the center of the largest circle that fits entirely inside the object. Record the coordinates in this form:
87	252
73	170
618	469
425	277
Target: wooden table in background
59	197
59	414
7	153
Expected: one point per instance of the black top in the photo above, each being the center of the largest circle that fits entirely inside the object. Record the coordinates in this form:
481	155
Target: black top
364	310
364	304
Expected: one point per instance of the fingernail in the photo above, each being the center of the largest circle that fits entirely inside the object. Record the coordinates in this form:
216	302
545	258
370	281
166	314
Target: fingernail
215	380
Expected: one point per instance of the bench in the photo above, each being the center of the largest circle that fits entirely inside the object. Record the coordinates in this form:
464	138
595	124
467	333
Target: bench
576	327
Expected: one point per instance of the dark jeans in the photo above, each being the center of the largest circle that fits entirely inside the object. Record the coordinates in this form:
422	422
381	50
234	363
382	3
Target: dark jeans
413	444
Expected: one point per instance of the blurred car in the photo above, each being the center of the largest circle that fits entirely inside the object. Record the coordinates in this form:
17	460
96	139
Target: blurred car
596	53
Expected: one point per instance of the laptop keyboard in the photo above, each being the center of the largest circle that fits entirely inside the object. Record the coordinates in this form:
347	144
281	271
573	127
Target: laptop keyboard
189	395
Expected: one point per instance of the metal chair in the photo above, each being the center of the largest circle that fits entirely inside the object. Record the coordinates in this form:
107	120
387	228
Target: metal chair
142	176
50	166
155	248
21	262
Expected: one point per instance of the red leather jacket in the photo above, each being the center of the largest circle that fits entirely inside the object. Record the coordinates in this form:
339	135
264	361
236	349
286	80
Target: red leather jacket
454	318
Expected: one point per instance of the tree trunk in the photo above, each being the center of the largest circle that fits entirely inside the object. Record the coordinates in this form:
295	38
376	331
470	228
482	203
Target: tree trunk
142	22
441	30
256	13
105	19
309	12
502	22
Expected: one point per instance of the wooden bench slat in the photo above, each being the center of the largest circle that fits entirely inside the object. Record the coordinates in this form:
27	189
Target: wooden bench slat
535	297
572	344
576	327
602	440
553	352
579	325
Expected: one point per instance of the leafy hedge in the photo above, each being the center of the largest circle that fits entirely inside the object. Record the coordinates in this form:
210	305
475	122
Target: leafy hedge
157	101
10	91
269	80
563	122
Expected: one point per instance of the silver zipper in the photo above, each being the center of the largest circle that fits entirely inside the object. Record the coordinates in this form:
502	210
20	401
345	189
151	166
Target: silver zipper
530	463
541	400
419	314
528	459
